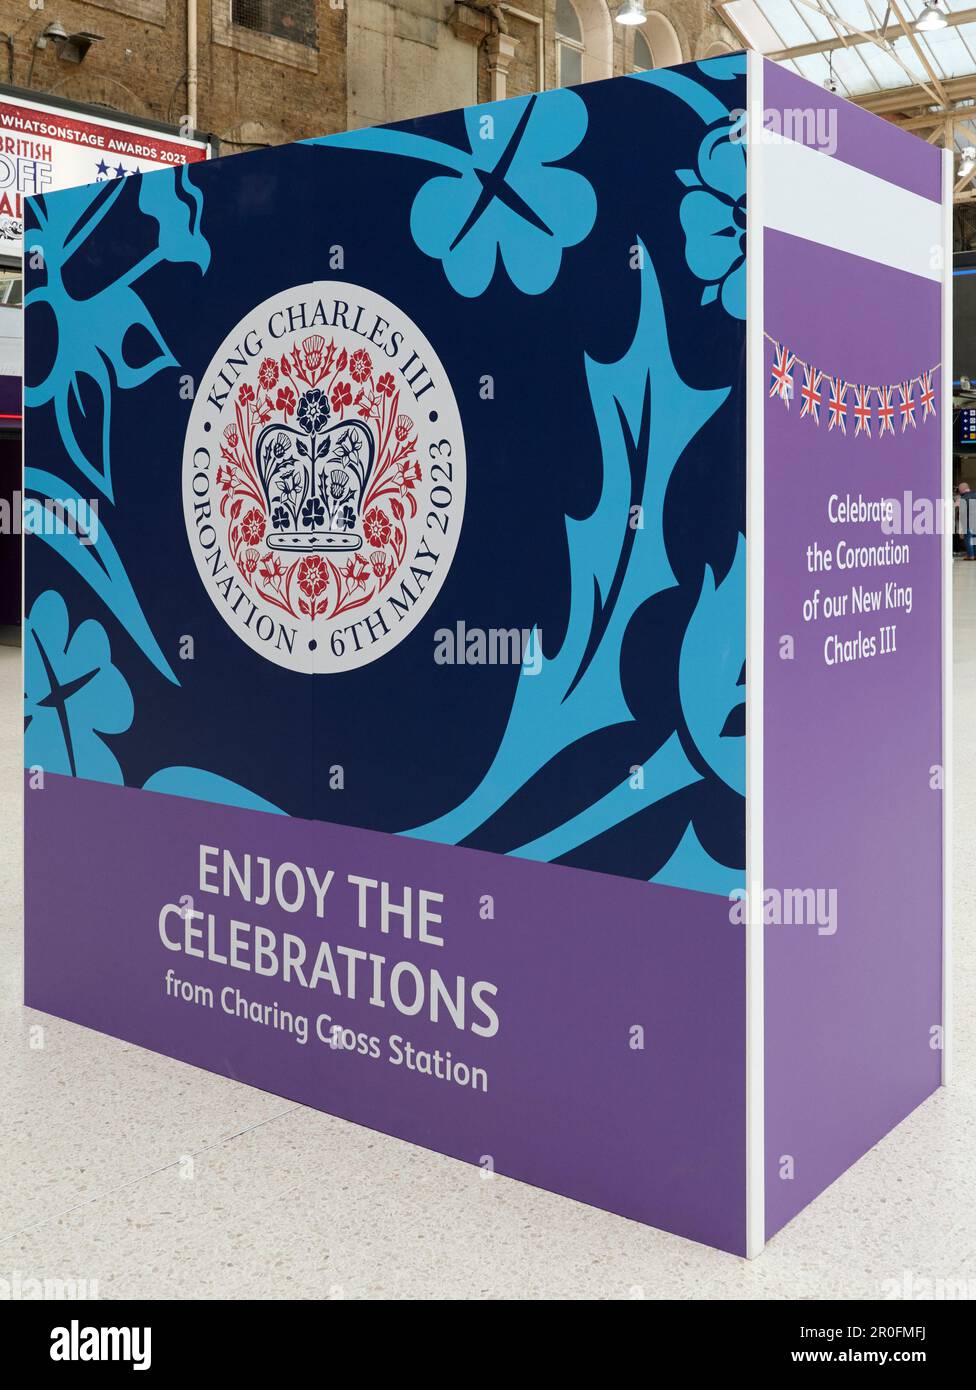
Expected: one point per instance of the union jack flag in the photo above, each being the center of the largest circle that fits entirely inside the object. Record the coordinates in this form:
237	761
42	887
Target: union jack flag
906	406
862	410
782	379
886	411
927	396
811	394
837	405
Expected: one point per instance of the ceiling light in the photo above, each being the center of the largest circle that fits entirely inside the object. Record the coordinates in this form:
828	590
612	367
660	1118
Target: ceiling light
75	46
968	161
932	17
631	12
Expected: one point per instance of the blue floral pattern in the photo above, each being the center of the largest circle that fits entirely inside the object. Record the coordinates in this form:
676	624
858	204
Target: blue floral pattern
73	694
511	199
725	68
496	200
713	217
92	331
313	411
506	197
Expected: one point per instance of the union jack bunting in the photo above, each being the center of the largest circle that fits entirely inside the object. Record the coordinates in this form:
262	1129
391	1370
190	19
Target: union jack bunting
906	407
811	394
782	378
862	410
837	405
910	400
886	411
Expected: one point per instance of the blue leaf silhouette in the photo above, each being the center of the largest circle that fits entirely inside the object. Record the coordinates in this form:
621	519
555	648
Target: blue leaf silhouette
710	668
96	560
614	568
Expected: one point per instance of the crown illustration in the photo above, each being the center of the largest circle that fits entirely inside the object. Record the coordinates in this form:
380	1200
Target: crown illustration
314	479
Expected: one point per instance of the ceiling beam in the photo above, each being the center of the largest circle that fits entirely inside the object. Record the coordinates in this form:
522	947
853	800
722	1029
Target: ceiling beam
937	94
962	115
889	33
920	53
912	97
928	104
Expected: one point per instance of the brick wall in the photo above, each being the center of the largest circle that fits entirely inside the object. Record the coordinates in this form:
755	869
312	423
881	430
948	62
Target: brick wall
677	31
253	89
377	60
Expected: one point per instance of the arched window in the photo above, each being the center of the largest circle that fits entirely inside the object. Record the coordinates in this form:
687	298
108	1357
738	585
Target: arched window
662	39
643	58
569	44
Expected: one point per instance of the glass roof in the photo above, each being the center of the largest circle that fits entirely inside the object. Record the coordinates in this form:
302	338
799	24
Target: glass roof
860	66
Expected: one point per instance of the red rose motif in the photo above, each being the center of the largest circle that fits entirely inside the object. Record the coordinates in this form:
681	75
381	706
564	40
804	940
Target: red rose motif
286	401
341	395
313	576
360	365
386	384
252	527
268	373
376	525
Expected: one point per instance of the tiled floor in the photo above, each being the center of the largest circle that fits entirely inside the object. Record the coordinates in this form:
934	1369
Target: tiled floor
149	1178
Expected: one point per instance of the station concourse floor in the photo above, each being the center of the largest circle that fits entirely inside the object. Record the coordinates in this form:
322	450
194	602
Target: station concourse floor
146	1178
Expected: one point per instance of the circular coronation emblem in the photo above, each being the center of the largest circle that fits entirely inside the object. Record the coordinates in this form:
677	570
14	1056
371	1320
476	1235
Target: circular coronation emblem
323	477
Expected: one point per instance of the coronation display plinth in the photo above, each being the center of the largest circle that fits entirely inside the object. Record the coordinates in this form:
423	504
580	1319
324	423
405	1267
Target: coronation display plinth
458	605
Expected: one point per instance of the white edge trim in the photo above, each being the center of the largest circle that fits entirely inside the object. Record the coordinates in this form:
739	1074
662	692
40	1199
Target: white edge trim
948	176
755	622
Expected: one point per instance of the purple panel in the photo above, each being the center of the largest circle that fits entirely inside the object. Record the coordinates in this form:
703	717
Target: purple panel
863	139
849	748
579	959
